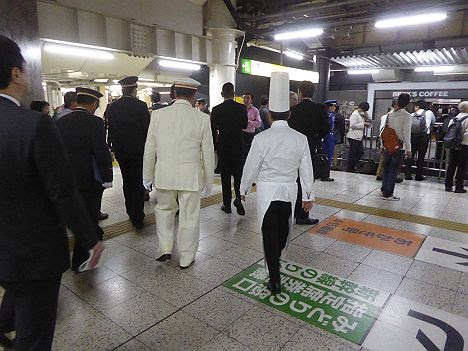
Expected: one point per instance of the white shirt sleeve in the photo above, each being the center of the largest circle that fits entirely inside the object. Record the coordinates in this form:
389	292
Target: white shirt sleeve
251	167
306	174
430	120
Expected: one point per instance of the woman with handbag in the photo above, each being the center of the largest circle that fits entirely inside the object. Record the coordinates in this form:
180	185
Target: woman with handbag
357	124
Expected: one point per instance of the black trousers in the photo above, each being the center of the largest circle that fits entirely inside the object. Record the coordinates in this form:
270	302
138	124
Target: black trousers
226	185
247	138
275	230
419	145
299	212
356	151
92	200
458	160
134	192
30	309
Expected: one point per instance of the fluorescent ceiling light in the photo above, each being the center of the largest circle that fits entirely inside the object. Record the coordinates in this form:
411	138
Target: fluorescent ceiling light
101	80
411	20
363	71
306	33
78	51
179	65
294	55
435	69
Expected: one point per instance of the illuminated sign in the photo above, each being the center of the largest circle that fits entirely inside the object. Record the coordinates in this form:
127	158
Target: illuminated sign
264	69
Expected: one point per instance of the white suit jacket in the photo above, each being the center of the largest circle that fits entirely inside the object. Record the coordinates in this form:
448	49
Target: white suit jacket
179	152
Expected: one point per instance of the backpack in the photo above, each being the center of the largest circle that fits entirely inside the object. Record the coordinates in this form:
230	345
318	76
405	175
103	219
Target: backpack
418	124
454	136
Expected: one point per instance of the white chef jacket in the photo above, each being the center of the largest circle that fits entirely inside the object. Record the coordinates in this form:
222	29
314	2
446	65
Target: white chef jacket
430	118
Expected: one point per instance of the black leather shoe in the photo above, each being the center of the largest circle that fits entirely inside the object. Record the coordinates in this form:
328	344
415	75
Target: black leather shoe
240	208
139	225
378	178
226	209
448	189
103	216
307	221
408	177
274	288
162	258
6	342
328	179
185	267
460	191
419	178
399	180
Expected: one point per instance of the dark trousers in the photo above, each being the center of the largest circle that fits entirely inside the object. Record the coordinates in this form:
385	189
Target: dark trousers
356	151
275	230
419	145
248	138
226	185
299	212
134	192
457	161
329	147
92	200
30	309
391	168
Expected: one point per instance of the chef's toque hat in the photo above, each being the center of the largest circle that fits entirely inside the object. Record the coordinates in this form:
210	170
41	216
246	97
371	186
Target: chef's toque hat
279	92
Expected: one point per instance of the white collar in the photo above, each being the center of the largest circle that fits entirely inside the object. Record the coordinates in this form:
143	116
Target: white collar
11	98
279	123
182	101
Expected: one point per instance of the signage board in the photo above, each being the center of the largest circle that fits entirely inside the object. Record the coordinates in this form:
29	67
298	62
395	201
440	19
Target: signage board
264	69
421	94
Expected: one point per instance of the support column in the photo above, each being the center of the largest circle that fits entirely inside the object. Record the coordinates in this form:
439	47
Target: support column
324	79
19	22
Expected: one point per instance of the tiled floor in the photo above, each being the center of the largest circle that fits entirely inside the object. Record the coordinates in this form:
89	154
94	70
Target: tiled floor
133	302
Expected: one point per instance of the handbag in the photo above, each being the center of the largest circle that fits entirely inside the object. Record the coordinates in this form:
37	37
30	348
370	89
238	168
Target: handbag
390	140
320	163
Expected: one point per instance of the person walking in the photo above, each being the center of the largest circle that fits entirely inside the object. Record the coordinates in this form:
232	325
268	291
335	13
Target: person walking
128	120
228	120
311	119
254	122
277	156
179	162
33	240
357	125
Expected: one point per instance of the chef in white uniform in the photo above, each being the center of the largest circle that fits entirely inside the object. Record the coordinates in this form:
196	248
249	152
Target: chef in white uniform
275	158
179	162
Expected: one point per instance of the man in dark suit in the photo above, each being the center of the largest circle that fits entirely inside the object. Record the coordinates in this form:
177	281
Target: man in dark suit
84	137
228	119
128	120
38	197
311	119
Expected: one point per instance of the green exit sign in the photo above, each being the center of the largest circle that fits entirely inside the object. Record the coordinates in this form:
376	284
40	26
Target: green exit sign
246	66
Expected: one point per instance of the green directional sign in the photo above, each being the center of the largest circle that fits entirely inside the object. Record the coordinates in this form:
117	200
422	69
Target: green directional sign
335	304
246	66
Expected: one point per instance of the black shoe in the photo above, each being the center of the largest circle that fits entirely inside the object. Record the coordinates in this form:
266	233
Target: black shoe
306	221
185	267
6	342
408	177
217	171
103	216
164	257
419	178
447	189
378	178
274	288
399	180
460	191
240	208
139	225
328	179
226	209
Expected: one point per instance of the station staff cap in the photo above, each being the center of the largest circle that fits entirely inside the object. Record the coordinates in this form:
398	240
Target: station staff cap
187	83
279	92
128	82
330	102
90	92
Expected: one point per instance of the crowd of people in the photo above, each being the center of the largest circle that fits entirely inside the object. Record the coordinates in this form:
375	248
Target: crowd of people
63	164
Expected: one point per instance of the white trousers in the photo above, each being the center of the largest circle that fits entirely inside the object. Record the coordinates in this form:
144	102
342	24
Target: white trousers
189	223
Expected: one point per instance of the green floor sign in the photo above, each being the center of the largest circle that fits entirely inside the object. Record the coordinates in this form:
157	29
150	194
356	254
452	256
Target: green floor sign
340	306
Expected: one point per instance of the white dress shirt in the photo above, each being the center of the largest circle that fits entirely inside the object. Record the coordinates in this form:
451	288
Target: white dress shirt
430	118
11	98
356	126
276	156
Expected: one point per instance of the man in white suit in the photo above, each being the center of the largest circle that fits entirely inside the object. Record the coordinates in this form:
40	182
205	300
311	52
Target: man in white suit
179	163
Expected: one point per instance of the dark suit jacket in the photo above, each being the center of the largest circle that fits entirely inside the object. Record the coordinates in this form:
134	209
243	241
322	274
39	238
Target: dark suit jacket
84	136
128	120
310	119
228	119
340	128
37	195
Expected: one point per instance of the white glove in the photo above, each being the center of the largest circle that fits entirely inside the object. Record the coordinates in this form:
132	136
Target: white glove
148	184
107	185
206	190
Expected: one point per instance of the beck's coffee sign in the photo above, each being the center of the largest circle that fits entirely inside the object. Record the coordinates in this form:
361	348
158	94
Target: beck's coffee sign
424	94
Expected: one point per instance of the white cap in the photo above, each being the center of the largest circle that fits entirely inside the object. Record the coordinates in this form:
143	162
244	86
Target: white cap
187	83
279	92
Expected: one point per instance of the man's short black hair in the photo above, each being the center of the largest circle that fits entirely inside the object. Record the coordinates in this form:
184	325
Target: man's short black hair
10	58
264	100
248	93
38	105
155	97
307	88
228	90
364	106
403	100
85	100
69	98
277	116
128	90
421	103
184	92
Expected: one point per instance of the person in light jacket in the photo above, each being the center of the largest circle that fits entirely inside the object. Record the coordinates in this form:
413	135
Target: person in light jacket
357	125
